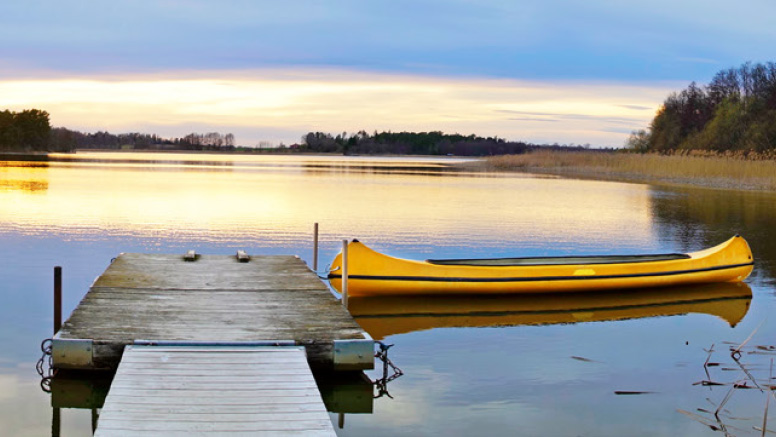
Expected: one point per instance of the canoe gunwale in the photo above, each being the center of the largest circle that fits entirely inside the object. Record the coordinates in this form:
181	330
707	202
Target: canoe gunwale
538	278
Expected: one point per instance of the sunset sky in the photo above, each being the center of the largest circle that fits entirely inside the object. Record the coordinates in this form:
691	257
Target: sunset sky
542	71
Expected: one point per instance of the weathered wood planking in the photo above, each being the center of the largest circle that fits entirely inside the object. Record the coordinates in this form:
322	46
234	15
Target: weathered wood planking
235	391
215	299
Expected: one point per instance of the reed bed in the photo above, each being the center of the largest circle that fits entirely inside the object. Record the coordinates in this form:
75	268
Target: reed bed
717	171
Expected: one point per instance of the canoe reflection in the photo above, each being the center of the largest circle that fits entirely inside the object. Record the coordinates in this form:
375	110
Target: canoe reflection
388	315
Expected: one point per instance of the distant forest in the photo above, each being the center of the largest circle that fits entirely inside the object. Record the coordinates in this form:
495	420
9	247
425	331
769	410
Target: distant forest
31	131
736	111
66	138
417	143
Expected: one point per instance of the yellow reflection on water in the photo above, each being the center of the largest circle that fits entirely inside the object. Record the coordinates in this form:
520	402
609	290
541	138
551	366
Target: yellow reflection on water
389	315
281	196
32	180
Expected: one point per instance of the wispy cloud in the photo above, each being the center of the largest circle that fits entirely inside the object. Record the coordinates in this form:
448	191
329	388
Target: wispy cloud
544	116
637	107
551	120
283	104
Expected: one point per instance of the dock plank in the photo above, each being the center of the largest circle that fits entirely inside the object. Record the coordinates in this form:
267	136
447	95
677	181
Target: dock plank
215	298
183	405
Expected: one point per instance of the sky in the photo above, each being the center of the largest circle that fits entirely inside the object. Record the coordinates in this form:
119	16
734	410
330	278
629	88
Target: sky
543	71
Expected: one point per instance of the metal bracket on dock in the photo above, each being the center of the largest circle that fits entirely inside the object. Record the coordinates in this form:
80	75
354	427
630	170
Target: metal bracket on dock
67	353
354	354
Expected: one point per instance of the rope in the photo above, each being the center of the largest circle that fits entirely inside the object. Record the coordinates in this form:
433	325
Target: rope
382	383
325	274
46	374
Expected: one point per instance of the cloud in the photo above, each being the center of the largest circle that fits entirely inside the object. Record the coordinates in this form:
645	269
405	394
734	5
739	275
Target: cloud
283	104
533	119
637	107
532	39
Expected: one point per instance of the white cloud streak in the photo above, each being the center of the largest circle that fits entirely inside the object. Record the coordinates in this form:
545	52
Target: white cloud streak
281	105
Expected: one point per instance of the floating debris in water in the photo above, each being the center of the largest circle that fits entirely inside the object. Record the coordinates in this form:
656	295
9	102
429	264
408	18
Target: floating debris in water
751	373
587	360
707	383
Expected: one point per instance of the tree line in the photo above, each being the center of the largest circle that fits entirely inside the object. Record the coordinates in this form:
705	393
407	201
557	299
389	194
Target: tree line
72	139
735	111
27	131
30	131
416	143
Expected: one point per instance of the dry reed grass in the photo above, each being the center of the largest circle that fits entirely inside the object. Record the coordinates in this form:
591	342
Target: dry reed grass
718	171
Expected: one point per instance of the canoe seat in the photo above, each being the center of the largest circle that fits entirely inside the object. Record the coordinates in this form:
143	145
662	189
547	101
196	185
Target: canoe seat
558	260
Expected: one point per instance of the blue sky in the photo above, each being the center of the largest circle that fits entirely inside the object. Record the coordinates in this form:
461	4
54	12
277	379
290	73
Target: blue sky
487	55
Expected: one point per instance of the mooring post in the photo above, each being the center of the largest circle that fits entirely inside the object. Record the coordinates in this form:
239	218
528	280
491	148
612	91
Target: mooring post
56	422
345	273
57	298
315	247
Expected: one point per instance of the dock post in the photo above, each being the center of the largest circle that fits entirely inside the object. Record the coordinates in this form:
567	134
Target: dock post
95	418
315	247
345	273
56	421
57	298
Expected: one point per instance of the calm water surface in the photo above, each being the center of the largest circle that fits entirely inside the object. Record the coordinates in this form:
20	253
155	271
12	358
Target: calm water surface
472	367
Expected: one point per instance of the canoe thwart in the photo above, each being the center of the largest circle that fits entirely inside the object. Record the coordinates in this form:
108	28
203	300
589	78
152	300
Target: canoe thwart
558	260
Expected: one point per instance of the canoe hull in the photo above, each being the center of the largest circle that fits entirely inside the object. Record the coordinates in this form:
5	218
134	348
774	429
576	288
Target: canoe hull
372	274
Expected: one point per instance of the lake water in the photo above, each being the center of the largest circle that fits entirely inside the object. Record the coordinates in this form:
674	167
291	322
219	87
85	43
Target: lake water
514	366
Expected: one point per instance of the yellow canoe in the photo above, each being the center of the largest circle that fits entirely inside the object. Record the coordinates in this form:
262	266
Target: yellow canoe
371	273
382	316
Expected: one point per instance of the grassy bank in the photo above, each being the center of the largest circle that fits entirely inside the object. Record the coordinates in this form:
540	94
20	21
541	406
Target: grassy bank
729	172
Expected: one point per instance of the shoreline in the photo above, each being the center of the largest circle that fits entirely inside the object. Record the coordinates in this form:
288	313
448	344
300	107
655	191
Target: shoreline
720	173
597	175
24	156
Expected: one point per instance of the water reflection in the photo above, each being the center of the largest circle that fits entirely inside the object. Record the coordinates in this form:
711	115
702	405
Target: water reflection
691	218
442	217
23	177
34	187
255	161
515	376
10	159
390	315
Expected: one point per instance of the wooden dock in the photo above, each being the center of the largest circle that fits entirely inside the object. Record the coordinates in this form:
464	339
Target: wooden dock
235	391
211	345
145	299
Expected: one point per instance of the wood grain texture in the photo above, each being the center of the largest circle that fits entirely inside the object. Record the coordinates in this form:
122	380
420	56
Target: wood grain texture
196	391
213	299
